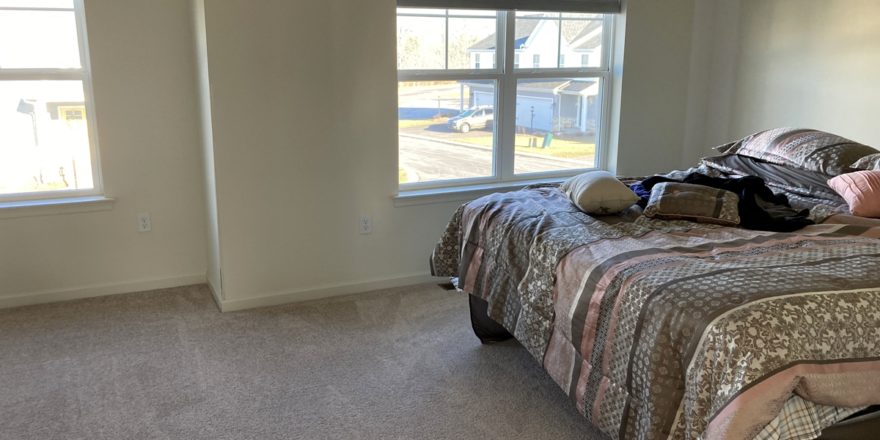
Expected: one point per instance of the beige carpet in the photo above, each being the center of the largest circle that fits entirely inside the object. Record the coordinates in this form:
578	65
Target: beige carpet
394	364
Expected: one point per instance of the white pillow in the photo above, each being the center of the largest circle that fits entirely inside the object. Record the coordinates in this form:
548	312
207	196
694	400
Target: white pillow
598	192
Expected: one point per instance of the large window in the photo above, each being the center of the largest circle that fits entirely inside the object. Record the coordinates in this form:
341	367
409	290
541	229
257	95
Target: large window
465	119
47	143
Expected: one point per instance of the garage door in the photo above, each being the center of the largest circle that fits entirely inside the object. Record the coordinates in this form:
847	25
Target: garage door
484	99
534	113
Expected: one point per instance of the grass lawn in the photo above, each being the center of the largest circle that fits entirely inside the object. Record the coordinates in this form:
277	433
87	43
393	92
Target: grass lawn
559	148
401	175
562	148
415	123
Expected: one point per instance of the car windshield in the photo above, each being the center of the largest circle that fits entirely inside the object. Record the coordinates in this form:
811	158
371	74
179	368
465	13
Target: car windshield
467	113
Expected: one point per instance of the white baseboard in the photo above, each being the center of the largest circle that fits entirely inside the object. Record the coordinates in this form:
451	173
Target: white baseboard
47	296
323	291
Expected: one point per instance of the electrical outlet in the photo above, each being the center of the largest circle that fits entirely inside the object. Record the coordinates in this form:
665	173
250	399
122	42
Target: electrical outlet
365	224
145	224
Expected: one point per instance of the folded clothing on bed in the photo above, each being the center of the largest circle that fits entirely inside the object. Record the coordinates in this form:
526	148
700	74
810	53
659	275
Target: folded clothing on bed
759	207
696	203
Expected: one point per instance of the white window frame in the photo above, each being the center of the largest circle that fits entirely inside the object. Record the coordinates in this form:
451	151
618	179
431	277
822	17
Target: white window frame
506	77
84	74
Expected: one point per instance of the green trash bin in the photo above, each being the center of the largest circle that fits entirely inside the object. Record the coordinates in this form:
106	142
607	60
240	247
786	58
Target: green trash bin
548	138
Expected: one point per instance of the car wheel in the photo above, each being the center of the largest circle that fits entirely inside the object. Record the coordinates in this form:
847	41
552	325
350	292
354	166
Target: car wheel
465	128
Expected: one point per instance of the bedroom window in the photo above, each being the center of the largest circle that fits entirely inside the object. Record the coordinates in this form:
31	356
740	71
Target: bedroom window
47	141
464	121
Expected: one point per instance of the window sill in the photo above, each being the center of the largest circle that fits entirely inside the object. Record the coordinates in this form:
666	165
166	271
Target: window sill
68	205
462	193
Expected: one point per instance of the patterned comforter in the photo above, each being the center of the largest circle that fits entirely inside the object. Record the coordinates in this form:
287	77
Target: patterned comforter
660	329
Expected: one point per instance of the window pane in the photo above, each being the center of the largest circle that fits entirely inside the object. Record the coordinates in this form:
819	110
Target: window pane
472	43
422	11
446	130
556	124
520	14
473	12
38	39
421	42
582	43
543	40
37	4
44	141
537	41
580	15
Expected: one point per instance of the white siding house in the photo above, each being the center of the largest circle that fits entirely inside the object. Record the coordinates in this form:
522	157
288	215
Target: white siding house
548	105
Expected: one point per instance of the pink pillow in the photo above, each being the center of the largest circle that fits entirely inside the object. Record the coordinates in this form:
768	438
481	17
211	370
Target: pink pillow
861	190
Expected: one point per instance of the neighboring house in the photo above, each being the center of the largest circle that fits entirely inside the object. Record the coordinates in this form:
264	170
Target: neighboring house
561	106
536	39
547	105
67	111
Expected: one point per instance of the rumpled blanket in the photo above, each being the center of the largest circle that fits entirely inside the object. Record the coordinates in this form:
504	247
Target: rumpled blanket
759	207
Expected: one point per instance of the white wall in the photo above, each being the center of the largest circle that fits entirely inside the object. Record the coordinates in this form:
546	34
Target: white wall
147	125
762	64
279	122
654	89
809	63
712	79
303	103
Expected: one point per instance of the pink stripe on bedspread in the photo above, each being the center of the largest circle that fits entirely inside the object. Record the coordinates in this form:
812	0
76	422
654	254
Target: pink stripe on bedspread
582	386
845	384
601	288
473	268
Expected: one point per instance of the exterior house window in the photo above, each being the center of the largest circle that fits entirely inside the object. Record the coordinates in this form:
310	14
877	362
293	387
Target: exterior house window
585	60
461	124
47	144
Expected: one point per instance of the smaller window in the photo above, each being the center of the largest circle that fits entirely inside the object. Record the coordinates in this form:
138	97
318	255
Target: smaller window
476	61
562	60
536	60
516	61
585	60
47	136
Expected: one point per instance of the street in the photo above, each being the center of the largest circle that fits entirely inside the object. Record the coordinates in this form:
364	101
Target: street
425	160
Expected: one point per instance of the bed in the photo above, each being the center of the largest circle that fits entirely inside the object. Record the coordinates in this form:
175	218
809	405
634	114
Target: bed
675	329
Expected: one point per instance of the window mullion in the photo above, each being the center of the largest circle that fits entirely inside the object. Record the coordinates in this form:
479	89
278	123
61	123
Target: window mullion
506	129
446	42
88	94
